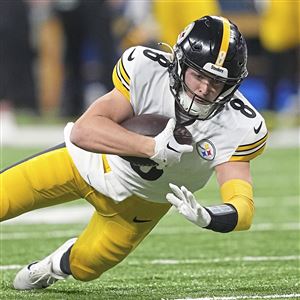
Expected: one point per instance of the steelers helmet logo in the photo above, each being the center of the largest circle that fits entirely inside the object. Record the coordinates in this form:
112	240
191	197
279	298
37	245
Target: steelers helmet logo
206	149
185	32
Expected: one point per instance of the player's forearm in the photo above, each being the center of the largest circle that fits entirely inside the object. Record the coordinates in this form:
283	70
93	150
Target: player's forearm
235	214
238	209
102	135
239	194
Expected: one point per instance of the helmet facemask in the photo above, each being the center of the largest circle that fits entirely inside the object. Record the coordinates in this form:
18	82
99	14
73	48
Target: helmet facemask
194	105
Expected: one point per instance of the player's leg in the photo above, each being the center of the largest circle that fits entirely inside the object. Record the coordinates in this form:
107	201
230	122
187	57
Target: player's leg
45	179
113	232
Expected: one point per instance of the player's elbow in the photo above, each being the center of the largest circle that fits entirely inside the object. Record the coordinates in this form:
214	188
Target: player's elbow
239	194
245	225
245	217
78	135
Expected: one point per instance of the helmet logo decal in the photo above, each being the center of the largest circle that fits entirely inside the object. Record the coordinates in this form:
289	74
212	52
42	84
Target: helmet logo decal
185	32
206	149
214	69
224	44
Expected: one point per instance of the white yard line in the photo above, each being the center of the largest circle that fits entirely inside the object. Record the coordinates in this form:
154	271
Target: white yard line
194	261
78	214
283	138
49	135
276	296
256	227
10	235
11	267
275	226
55	215
215	260
6	236
268	201
33	135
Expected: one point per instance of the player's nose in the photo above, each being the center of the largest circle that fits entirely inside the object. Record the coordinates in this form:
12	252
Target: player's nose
203	88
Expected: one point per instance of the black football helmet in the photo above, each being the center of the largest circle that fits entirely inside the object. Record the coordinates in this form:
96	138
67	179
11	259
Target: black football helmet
214	47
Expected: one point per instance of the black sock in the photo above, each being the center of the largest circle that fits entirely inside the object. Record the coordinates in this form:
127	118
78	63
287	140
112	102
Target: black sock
64	262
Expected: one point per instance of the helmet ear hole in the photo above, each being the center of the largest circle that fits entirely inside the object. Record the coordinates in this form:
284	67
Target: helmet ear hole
198	46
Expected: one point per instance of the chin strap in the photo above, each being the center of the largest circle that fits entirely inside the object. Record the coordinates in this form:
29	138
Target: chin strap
182	118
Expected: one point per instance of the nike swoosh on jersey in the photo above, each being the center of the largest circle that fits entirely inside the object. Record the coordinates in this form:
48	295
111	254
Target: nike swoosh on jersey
130	57
257	130
136	220
171	148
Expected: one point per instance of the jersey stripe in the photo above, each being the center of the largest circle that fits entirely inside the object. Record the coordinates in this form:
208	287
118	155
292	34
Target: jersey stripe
106	165
224	44
121	79
123	75
248	157
123	71
59	146
253	145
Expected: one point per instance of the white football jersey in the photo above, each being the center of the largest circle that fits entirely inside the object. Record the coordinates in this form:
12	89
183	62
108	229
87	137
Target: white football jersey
237	133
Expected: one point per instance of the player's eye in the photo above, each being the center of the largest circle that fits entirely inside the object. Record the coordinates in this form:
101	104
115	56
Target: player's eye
199	76
216	83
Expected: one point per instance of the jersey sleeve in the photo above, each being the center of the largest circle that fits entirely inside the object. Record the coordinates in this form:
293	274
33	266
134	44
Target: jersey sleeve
253	143
123	71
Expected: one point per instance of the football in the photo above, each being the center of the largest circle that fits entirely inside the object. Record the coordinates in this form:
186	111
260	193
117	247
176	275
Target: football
151	125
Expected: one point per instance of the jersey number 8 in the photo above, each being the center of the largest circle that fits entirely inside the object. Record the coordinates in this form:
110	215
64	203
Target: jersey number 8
243	108
164	62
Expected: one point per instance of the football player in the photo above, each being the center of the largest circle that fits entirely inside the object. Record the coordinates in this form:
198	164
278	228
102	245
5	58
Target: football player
195	85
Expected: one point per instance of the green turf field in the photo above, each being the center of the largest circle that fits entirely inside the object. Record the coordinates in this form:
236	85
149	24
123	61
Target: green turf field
178	260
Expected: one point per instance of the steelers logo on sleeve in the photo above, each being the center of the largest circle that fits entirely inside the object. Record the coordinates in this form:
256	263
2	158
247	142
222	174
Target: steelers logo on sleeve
206	149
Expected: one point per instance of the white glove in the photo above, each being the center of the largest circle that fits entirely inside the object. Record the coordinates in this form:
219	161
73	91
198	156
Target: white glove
167	150
187	205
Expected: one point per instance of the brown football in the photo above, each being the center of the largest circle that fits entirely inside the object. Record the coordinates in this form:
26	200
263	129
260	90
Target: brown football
152	125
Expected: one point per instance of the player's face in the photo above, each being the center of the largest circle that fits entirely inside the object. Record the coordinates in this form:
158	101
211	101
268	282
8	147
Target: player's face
202	86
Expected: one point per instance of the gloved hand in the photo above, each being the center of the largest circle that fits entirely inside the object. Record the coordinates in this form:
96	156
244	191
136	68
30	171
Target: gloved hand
187	205
167	150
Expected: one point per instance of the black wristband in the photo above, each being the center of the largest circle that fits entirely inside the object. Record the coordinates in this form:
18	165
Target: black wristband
223	218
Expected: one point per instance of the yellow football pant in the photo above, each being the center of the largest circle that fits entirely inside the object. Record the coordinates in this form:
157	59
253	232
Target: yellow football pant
114	230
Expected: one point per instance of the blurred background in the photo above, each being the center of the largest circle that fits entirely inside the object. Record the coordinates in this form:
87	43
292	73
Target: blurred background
57	57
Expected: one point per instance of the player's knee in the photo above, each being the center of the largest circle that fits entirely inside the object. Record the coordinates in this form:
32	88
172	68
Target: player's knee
89	262
84	265
82	272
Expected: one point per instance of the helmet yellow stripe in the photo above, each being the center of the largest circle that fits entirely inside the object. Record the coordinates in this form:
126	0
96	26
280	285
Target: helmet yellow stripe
224	44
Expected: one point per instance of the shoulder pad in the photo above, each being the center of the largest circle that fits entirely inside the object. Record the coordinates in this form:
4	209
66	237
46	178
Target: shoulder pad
123	70
253	143
135	64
